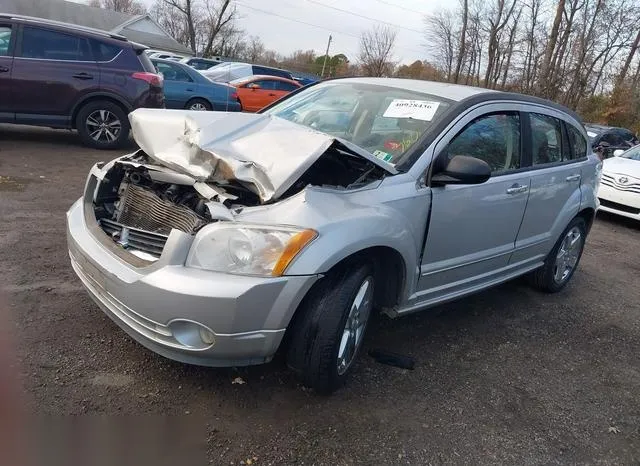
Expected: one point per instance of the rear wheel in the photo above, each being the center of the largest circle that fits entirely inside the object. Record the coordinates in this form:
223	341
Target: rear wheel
198	105
562	261
103	125
329	328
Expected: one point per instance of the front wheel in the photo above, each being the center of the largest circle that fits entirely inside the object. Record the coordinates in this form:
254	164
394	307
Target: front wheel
562	261
329	328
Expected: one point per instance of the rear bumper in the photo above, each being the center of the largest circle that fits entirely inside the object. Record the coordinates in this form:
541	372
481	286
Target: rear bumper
159	304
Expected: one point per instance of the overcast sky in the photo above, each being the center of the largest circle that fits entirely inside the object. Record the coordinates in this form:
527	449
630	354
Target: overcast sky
287	35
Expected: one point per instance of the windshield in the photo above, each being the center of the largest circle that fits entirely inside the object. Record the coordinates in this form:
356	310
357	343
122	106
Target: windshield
386	121
633	154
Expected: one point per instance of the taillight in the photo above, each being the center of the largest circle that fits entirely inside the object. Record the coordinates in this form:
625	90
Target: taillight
151	78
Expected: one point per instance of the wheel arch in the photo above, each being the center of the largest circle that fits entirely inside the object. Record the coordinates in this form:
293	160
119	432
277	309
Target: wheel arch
95	97
186	106
589	215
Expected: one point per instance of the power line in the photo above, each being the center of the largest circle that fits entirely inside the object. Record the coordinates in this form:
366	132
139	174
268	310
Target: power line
324	28
365	17
297	20
401	7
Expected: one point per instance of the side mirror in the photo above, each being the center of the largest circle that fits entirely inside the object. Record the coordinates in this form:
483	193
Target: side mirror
618	152
253	86
462	169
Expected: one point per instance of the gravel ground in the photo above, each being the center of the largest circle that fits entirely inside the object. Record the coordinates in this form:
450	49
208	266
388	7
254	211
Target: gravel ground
508	376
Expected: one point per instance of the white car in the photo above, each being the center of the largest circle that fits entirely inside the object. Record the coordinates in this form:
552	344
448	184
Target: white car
619	191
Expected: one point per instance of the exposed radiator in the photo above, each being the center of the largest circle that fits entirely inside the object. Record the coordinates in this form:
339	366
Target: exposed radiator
141	208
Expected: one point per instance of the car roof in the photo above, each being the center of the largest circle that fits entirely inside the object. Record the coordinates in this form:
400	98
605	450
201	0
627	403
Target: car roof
463	95
258	77
67	26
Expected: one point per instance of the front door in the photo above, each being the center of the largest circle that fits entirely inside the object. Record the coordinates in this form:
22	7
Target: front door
7	40
473	228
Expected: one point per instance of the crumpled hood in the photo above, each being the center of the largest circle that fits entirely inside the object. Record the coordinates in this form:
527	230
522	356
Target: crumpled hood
268	154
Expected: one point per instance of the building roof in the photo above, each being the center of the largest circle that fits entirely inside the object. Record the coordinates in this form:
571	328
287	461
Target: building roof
98	18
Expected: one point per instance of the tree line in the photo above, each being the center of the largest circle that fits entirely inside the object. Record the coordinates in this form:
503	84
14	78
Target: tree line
581	53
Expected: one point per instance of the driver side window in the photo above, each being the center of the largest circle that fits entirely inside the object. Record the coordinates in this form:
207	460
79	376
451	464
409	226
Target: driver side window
494	138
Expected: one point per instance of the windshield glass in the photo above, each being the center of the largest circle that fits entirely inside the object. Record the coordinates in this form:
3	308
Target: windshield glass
386	121
633	154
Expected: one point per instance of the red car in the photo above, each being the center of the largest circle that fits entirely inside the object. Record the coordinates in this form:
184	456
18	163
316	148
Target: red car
256	92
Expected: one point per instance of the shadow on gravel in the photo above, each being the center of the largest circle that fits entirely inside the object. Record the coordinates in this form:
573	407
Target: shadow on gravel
37	135
618	220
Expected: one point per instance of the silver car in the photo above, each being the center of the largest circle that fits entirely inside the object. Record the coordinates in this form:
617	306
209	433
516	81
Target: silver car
227	236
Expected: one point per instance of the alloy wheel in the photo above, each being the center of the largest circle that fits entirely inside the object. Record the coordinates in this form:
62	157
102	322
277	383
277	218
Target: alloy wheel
199	106
568	255
355	325
103	126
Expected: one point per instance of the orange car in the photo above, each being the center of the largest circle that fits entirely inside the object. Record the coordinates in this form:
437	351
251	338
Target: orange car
256	92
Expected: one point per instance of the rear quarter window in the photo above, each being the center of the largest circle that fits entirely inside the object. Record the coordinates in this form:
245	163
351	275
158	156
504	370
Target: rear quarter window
577	141
104	51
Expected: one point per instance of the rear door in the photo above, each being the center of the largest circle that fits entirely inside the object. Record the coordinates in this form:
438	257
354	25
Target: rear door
473	228
255	98
179	88
558	150
7	43
51	70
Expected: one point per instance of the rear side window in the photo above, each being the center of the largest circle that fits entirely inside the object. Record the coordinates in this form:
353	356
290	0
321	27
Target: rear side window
546	135
493	138
145	61
173	72
104	51
52	45
271	72
5	40
266	84
285	86
577	141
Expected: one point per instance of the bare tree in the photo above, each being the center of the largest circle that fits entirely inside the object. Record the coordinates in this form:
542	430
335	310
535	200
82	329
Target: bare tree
441	37
376	51
255	49
188	8
219	15
133	7
463	40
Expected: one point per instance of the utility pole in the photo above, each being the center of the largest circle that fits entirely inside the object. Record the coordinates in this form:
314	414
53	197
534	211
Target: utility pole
326	55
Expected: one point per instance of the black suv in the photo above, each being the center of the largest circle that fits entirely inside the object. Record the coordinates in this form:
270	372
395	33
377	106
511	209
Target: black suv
65	76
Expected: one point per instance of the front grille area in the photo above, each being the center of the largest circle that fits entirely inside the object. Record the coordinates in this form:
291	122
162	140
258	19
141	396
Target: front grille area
630	186
620	207
142	209
152	243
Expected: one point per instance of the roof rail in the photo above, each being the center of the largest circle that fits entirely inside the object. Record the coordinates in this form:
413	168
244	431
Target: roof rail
51	22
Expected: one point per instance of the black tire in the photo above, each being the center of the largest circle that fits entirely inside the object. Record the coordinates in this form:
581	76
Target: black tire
198	102
545	278
318	327
90	114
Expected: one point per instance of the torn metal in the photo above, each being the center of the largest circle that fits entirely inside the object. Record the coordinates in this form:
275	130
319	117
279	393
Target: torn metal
265	153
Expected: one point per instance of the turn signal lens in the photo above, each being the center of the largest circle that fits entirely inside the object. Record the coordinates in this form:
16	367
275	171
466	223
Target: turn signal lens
294	246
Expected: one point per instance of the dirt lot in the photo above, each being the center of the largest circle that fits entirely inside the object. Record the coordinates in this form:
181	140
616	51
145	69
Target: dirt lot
509	376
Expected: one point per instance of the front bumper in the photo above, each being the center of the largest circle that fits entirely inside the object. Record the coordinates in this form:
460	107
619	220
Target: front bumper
619	201
247	315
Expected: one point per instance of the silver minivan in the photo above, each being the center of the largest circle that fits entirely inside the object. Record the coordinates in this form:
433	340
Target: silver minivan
227	236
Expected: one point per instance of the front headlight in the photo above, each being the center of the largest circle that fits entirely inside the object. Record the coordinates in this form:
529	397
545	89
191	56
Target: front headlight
248	249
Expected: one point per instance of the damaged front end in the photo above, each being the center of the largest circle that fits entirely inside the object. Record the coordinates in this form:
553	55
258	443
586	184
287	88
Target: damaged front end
192	170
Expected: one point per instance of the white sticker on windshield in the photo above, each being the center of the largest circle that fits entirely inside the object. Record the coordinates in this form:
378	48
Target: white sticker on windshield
418	109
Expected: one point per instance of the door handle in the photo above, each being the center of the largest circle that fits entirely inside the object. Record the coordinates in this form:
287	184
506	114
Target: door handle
83	76
189	90
572	178
4	69
517	189
271	94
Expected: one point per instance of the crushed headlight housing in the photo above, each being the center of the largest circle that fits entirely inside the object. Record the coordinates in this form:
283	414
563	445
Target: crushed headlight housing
248	249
